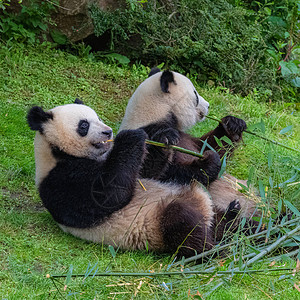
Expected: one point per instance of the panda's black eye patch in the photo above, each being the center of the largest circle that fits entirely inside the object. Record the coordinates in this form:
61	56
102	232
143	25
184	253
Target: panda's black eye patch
83	127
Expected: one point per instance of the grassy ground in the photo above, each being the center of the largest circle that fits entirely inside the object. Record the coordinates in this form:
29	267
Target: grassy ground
31	245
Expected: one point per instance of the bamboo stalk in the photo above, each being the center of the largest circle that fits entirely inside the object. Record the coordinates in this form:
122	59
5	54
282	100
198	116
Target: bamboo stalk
258	135
162	145
255	235
183	150
270	248
184	272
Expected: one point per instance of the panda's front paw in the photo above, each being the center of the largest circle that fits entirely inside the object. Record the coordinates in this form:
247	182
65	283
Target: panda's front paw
211	163
168	136
233	127
130	139
212	158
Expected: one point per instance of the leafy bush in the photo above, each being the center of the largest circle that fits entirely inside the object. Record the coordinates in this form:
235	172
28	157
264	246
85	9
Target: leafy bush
237	44
28	25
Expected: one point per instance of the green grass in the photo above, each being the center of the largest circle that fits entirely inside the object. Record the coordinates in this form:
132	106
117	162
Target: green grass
31	244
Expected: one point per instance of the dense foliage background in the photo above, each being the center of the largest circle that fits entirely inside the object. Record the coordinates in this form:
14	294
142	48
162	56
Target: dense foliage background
241	45
244	46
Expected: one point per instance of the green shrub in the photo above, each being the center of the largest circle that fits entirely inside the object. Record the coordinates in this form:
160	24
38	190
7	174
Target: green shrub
234	44
28	25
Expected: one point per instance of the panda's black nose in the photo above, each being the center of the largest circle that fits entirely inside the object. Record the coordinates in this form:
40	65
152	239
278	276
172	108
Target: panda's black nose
108	133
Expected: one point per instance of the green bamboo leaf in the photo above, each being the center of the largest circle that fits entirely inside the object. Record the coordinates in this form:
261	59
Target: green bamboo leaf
250	176
261	190
226	140
290	244
243	222
240	257
286	129
90	270
147	246
203	147
291	207
218	142
223	167
255	250
290	180
269	229
296	237
112	251
260	223
270	159
245	188
271	182
69	275
279	206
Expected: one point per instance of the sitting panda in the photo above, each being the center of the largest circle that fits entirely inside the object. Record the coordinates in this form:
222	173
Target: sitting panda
165	105
91	186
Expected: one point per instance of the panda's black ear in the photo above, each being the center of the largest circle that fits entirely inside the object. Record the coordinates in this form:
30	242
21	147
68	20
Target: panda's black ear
165	79
153	71
36	117
78	101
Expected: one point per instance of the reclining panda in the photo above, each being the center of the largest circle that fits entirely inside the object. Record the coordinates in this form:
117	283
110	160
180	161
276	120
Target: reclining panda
91	186
165	105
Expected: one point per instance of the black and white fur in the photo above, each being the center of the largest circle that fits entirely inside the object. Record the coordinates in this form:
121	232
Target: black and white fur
165	105
90	186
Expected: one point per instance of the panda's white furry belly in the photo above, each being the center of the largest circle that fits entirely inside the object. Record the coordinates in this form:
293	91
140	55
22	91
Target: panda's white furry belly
226	189
137	225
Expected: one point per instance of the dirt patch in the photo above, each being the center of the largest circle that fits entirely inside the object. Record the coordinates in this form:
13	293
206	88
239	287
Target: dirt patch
19	201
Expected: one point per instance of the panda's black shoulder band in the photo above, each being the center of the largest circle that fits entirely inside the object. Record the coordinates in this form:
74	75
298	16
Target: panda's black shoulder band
166	77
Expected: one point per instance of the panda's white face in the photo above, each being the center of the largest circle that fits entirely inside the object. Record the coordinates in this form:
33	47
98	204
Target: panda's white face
77	130
187	105
150	103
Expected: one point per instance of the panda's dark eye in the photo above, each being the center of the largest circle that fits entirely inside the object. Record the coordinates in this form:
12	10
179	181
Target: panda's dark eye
83	127
197	98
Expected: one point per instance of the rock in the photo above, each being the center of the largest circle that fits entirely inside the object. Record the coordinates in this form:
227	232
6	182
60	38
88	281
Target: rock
71	17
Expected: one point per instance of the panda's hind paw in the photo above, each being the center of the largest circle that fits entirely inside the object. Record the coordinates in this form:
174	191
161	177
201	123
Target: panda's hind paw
234	206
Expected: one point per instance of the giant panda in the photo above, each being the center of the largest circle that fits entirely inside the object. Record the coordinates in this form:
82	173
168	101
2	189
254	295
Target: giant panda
165	105
91	186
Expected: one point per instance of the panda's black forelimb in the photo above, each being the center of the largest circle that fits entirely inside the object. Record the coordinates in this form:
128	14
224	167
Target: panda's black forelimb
81	192
164	131
157	159
128	152
159	162
204	170
231	127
